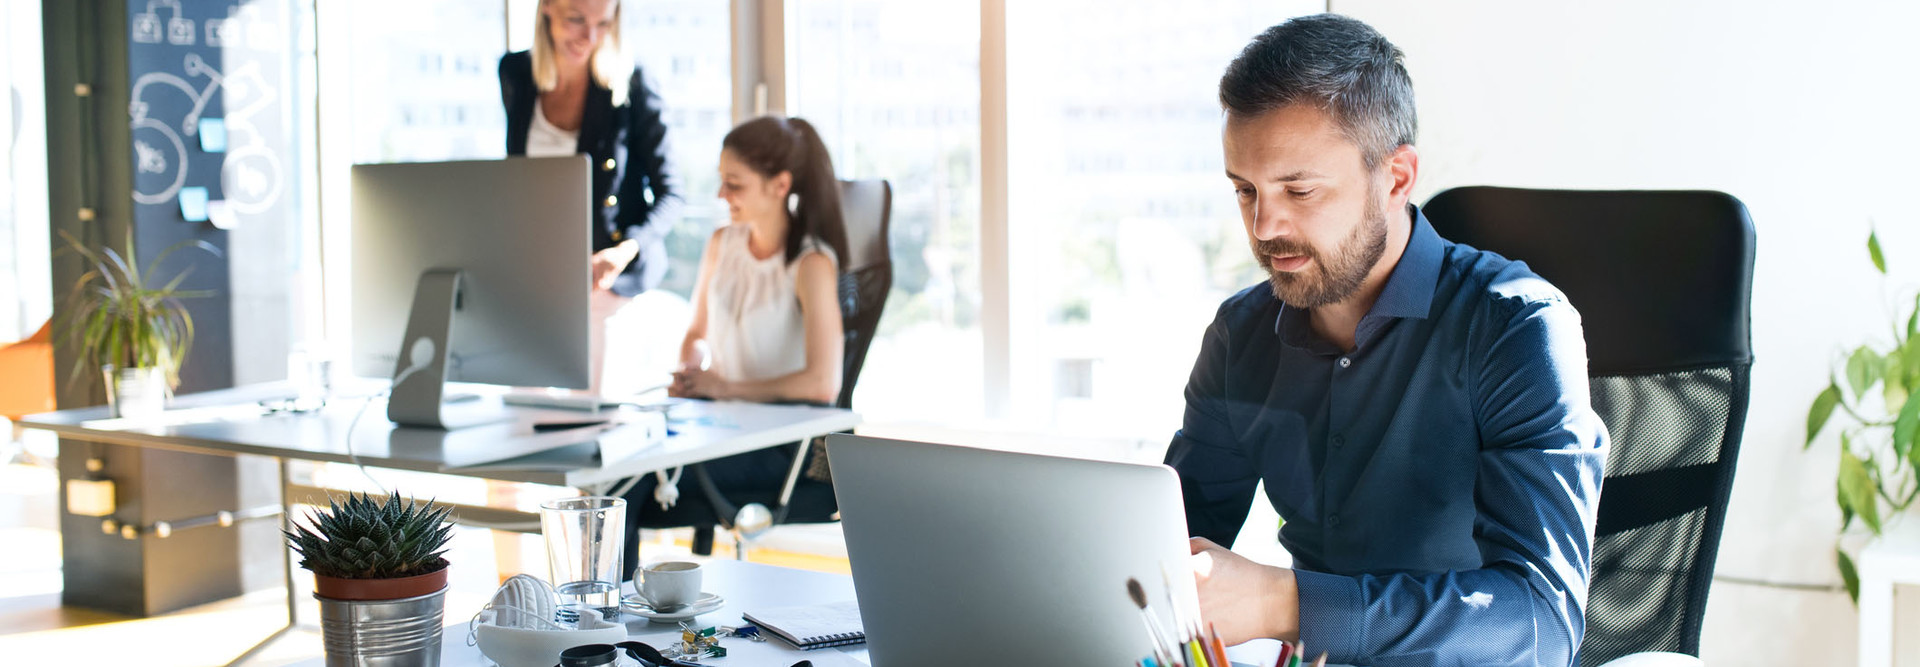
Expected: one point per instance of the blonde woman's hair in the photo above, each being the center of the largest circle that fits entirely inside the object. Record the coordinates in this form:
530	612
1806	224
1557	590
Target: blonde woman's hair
609	65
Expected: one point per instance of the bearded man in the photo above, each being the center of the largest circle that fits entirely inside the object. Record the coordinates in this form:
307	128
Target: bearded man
1417	408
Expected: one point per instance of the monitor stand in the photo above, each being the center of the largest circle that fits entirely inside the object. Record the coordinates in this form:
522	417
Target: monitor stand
418	396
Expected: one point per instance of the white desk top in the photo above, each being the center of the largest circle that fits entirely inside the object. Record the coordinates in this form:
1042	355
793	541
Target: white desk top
745	586
231	421
750	586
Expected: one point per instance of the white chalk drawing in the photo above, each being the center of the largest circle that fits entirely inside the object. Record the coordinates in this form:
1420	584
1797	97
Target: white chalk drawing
149	160
262	35
180	31
146	28
250	173
223	32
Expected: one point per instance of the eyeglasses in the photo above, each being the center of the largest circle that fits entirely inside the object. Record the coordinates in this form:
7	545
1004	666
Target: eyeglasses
602	655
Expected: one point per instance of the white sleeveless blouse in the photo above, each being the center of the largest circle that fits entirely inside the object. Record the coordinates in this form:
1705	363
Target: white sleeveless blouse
754	328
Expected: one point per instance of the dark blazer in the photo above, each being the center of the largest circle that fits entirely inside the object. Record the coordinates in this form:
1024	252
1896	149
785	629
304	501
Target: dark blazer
634	195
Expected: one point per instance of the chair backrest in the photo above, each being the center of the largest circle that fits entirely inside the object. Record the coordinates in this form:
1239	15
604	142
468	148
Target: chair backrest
1663	282
867	207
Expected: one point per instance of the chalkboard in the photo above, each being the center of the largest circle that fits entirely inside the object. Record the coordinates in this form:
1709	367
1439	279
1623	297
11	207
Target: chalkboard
212	150
208	106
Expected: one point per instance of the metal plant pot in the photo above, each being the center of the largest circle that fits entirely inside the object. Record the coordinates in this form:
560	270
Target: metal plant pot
136	392
382	633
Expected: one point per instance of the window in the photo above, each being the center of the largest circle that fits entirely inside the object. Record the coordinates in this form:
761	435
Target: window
1125	235
425	83
684	49
894	89
26	293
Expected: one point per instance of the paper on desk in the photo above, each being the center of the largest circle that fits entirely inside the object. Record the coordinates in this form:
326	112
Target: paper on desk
510	447
181	417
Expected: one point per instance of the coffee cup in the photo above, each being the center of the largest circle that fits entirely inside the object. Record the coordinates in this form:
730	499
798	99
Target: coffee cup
669	583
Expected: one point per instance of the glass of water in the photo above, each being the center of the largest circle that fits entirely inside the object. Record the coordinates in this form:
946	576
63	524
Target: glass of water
584	536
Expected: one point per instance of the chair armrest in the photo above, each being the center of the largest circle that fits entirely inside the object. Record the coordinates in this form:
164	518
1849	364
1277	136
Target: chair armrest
1655	659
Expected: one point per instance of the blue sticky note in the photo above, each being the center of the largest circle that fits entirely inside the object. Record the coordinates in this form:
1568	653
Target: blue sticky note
213	135
193	204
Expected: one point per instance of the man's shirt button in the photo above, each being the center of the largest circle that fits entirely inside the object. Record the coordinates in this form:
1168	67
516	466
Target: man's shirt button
1345	362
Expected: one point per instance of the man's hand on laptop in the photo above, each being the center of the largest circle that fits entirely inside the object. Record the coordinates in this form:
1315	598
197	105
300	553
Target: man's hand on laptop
1244	600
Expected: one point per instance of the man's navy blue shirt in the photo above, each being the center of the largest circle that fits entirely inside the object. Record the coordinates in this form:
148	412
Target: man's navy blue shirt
1437	483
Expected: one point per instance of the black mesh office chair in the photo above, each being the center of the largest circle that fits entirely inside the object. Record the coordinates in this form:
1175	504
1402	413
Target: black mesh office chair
867	209
1663	282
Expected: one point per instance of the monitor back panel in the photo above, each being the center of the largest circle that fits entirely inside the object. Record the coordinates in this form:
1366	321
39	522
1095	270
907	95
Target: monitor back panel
517	228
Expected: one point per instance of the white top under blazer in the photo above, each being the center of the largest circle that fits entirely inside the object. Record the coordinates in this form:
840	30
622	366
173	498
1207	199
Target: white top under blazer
544	139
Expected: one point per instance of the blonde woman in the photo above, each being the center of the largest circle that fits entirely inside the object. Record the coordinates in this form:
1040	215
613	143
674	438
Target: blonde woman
576	92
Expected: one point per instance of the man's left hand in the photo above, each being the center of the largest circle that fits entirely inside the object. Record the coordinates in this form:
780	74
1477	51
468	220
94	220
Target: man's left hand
1244	600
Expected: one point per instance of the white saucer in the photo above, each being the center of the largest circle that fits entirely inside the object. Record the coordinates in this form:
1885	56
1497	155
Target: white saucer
636	605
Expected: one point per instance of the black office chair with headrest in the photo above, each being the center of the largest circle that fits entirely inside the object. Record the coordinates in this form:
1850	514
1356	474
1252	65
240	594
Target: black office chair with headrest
807	497
1663	282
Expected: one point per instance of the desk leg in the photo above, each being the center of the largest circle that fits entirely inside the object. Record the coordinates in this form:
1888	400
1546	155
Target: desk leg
286	553
1876	614
286	570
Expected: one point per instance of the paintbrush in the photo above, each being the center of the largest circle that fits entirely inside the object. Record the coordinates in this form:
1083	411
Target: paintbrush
1162	645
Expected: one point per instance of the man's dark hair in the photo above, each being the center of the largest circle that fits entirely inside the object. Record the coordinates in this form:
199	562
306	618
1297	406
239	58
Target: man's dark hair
1338	64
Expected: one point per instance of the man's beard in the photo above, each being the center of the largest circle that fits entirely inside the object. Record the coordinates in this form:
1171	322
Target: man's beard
1330	279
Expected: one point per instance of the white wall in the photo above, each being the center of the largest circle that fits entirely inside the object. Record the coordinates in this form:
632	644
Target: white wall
1805	111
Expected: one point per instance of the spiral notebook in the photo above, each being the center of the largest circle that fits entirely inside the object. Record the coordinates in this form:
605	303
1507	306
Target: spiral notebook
813	626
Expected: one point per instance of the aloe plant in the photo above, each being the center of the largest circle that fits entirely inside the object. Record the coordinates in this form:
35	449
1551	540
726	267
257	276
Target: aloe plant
116	316
1878	475
362	538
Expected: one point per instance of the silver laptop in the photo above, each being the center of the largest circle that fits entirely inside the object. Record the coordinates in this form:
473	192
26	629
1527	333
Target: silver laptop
965	556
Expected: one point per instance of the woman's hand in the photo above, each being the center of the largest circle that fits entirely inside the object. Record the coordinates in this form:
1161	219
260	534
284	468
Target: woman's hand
607	264
692	382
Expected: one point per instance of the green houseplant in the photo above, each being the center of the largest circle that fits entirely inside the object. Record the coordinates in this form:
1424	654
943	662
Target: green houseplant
1878	398
132	330
381	577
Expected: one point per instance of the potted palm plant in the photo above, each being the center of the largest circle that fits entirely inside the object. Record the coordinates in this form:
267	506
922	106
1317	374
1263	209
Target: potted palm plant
380	576
134	331
1876	394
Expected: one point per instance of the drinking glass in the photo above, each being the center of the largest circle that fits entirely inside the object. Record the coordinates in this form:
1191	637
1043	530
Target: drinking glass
584	536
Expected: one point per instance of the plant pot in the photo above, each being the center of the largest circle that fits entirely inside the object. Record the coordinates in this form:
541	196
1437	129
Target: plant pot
382	633
136	392
379	589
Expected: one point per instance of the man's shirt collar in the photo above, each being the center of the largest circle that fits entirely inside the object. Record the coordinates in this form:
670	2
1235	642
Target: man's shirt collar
1408	293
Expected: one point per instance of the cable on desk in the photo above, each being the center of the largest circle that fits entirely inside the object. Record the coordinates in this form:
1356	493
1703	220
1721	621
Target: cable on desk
355	459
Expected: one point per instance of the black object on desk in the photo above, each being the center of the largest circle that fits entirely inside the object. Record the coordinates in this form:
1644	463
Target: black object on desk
545	427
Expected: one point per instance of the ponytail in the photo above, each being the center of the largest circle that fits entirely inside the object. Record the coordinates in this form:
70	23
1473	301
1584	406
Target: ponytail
770	145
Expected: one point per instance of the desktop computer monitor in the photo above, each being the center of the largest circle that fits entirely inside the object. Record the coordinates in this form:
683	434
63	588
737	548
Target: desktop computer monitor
473	271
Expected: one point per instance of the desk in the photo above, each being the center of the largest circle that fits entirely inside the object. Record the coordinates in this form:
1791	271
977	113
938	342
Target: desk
749	586
231	421
1889	560
745	586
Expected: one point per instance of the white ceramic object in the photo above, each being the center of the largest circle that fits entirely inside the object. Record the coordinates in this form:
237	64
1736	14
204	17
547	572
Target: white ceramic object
524	601
521	647
670	583
707	603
